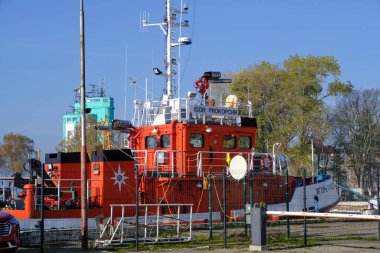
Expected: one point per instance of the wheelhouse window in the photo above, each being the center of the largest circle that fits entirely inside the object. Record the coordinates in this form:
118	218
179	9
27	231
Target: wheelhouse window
245	142
196	141
150	142
229	141
165	141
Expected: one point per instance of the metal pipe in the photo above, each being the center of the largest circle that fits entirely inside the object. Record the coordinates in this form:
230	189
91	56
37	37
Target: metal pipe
312	160
210	206
304	207
251	199
158	222
245	202
168	50
84	229
146	222
287	201
178	216
137	207
35	193
378	201
224	210
191	220
59	194
122	227
42	223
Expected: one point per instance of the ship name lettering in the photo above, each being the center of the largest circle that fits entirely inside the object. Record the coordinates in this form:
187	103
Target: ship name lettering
199	109
324	189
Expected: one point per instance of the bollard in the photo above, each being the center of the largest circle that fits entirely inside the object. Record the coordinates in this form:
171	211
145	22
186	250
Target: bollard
29	201
259	228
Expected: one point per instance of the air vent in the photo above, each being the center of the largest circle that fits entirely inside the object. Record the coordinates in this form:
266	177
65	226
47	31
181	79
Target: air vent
5	228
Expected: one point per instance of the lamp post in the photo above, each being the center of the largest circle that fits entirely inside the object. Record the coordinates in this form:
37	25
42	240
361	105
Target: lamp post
274	156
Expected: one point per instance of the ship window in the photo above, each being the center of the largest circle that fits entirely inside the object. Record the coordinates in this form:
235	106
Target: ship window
245	142
75	119
151	142
68	119
196	140
165	141
229	141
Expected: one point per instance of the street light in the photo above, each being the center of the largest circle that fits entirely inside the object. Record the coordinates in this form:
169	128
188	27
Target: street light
274	157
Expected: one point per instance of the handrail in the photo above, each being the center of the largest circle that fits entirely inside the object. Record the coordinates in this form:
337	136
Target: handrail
115	225
155	160
147	111
144	157
59	189
200	159
249	156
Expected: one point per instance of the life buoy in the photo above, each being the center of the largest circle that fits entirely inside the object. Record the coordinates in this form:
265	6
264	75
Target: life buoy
201	85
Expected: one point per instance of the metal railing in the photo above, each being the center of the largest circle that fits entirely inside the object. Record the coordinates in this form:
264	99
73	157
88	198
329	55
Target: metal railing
59	190
203	160
114	231
165	156
257	162
141	157
180	109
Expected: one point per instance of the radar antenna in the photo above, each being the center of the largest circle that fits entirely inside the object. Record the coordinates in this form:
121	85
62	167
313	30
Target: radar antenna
167	26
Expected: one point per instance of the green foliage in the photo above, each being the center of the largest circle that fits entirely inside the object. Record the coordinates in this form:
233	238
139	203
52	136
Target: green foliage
289	102
73	143
15	150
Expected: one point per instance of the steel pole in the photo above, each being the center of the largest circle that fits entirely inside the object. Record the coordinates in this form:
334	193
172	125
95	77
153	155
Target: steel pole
251	199
224	210
42	224
137	208
245	202
304	207
287	201
84	221
378	201
210	206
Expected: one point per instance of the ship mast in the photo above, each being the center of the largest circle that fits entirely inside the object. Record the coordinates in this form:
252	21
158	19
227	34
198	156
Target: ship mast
167	27
168	62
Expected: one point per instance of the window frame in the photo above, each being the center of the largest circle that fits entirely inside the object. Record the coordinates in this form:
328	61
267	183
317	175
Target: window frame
162	140
232	137
198	134
250	141
151	137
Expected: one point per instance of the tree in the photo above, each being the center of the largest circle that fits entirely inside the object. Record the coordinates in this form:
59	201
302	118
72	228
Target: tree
289	102
356	124
15	151
73	143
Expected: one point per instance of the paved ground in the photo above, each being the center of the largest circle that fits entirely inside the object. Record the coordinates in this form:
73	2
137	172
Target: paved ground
330	247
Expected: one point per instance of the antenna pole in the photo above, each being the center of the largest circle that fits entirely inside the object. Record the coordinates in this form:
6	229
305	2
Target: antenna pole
168	50
152	76
125	82
83	134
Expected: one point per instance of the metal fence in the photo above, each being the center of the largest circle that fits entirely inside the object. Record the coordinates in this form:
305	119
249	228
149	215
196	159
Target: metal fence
220	210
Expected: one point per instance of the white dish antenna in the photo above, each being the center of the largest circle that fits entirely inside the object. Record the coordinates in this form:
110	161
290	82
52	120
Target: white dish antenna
238	167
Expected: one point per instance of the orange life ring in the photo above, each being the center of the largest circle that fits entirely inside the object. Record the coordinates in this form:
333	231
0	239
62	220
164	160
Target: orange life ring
201	85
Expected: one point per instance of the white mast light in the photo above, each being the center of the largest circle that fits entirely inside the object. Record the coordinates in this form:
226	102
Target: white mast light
184	41
167	26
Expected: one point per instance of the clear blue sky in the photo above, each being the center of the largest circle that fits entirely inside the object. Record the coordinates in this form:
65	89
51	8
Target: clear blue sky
39	49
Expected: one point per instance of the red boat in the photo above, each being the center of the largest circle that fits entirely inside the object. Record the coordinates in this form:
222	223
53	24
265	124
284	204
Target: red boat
180	147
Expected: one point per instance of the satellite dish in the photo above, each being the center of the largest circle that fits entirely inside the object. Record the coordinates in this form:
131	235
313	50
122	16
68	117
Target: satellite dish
238	167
